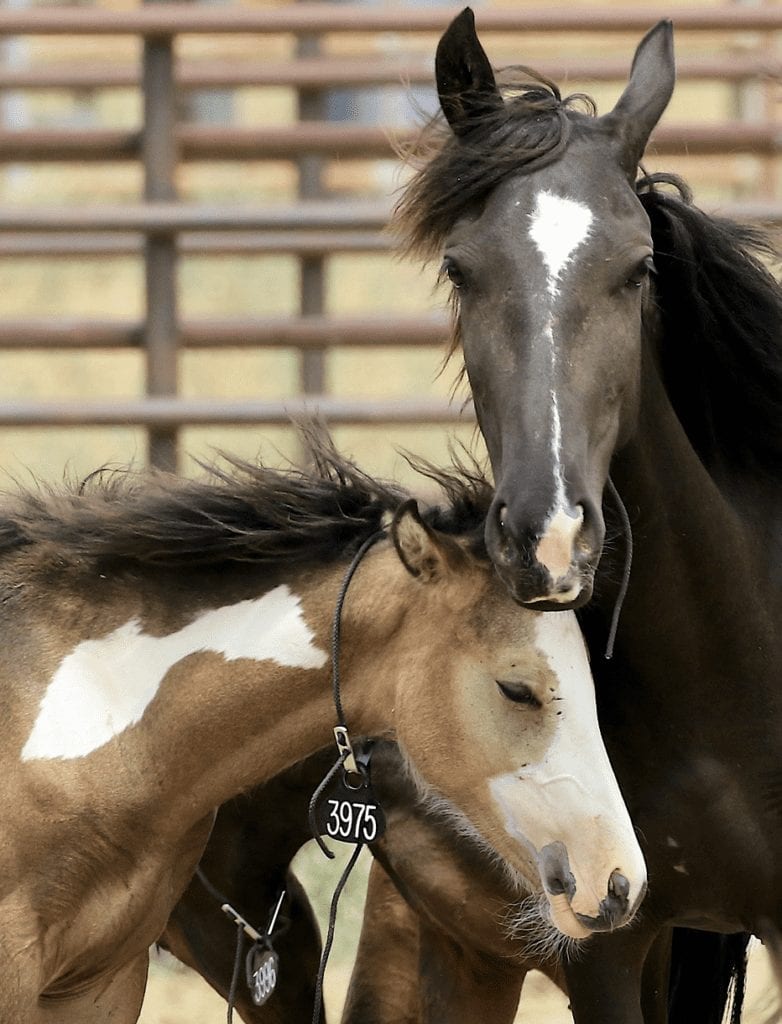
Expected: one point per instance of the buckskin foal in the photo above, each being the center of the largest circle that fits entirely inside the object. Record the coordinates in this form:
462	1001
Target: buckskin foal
166	647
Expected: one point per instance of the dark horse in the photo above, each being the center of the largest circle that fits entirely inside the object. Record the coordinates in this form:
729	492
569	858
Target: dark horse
608	325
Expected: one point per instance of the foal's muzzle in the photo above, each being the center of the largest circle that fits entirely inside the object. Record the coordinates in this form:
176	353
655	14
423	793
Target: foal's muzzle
614	909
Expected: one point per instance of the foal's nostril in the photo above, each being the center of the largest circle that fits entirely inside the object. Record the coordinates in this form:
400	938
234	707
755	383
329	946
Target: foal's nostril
613	909
618	886
555	870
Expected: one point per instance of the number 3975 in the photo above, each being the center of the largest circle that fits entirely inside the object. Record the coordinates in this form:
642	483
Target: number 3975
351	821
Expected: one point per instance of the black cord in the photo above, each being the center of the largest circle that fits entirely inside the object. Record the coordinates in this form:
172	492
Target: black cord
330	934
336	628
235	975
314	804
628	566
336	631
213	891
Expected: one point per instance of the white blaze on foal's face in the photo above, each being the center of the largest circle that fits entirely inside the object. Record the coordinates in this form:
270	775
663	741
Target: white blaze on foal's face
105	685
570	795
558	227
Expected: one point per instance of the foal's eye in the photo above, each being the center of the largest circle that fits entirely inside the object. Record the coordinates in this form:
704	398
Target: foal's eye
450	269
519	693
641	272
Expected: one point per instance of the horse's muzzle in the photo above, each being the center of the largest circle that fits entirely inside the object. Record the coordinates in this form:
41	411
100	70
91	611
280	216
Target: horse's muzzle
518	556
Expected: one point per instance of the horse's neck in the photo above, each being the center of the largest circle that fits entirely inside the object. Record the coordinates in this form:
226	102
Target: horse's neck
700	576
757	500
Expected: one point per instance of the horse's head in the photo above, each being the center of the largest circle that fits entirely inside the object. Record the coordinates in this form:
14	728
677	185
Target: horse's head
494	707
549	252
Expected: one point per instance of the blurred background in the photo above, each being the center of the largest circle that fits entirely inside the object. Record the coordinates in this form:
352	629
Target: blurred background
193	244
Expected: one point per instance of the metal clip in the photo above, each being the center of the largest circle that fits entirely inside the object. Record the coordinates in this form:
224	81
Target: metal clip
344	747
237	918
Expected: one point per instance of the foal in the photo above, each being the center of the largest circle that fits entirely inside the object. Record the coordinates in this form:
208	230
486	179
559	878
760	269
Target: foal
187	660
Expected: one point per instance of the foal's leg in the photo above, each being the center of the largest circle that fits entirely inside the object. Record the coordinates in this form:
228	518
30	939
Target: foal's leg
384	984
458	986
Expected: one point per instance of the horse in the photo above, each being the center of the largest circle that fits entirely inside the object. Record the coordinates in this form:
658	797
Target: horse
189	660
609	326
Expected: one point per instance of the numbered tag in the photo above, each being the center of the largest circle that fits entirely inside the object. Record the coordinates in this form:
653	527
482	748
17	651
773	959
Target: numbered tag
262	972
350	815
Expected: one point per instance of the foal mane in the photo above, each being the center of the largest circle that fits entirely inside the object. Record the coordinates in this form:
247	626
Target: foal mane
720	347
241	512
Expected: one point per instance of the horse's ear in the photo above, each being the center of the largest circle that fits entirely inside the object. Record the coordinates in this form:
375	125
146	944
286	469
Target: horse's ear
646	95
465	80
425	554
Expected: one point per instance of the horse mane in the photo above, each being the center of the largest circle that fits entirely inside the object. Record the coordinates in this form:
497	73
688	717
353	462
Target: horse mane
720	346
454	175
240	512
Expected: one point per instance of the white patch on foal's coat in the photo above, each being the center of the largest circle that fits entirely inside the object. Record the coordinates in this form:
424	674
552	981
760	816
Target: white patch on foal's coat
104	686
558	227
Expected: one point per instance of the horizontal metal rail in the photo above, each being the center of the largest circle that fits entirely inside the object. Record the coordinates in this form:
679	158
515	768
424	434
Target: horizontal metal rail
182	18
316	331
341	72
196	243
168	412
356	224
335	140
172	217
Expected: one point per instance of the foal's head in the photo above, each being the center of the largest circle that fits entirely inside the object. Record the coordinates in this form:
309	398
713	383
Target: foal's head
531	207
493	704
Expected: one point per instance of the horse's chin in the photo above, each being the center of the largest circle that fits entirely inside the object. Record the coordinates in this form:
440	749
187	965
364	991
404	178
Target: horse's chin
564	918
562	597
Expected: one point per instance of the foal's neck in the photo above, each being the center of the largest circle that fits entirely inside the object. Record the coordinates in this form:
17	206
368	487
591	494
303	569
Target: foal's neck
250	718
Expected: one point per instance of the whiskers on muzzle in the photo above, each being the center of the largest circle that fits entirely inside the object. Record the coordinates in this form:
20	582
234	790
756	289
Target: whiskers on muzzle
528	922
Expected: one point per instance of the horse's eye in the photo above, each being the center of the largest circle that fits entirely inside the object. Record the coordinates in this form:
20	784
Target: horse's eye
519	693
641	272
450	269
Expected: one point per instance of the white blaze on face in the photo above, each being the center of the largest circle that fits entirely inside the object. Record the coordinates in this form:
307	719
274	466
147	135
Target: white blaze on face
571	796
558	227
104	686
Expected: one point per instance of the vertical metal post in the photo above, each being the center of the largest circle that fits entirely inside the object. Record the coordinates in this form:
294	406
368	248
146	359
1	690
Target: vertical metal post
160	159
312	361
754	102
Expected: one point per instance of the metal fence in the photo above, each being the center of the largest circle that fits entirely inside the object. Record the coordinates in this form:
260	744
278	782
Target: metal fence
161	227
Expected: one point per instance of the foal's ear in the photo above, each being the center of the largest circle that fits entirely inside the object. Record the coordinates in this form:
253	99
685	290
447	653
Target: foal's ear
425	554
646	95
465	80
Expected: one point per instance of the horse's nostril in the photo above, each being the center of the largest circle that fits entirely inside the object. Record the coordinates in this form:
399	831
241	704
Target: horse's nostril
618	886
